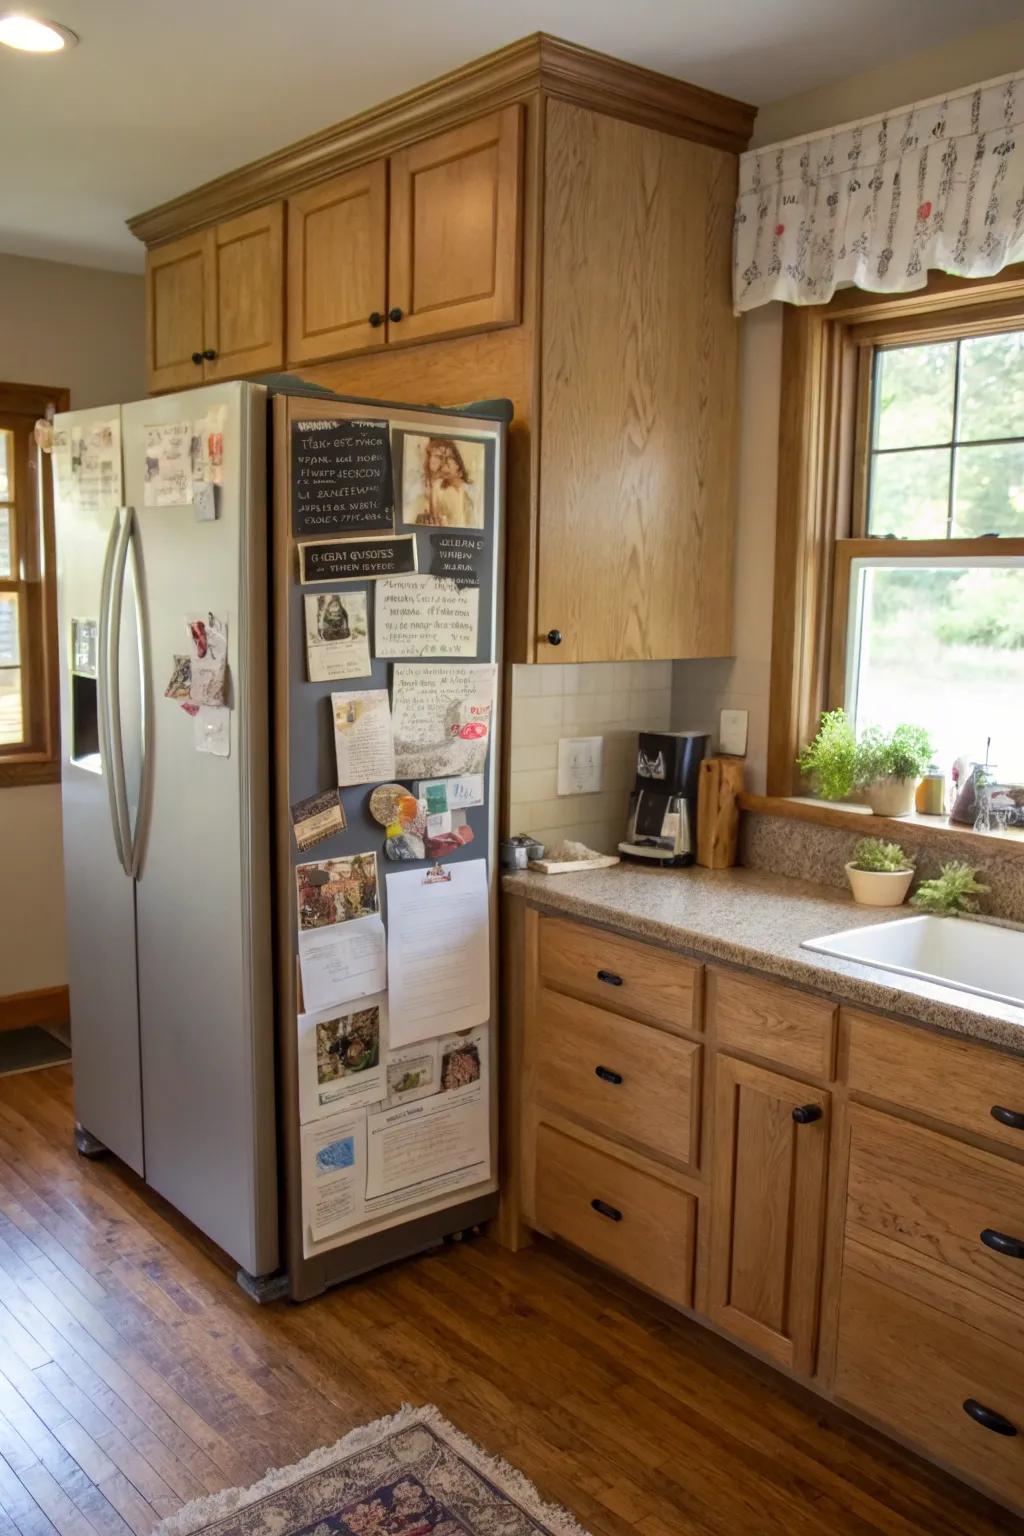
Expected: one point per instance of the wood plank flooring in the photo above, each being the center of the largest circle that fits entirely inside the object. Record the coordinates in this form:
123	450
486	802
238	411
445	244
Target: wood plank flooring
134	1375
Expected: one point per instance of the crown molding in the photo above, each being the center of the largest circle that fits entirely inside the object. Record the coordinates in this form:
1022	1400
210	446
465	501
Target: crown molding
538	64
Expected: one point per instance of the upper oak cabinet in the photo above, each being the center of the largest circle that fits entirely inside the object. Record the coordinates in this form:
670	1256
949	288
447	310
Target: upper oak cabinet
423	245
215	302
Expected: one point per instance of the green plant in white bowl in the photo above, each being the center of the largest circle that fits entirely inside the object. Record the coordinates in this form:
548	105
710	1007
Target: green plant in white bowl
879	873
955	889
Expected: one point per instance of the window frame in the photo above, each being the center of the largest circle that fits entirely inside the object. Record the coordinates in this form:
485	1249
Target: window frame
35	760
824	448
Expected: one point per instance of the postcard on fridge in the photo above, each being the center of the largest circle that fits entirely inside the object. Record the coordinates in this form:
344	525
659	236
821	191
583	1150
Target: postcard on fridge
341	937
442	718
334	1173
443	481
317	818
337	638
208	671
168	477
363	741
341	1057
439	958
425	616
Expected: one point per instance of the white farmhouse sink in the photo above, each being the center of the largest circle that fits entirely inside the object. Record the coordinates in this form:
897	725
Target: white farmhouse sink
973	957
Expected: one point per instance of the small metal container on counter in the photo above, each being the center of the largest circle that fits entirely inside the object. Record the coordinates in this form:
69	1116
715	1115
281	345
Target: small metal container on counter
517	851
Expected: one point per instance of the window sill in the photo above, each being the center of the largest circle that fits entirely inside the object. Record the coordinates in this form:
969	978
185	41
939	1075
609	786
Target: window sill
19	774
854	818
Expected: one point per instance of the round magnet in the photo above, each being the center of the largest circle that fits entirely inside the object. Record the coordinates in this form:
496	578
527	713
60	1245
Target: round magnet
384	802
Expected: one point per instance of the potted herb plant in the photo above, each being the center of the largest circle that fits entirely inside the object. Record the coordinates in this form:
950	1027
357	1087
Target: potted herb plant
955	889
883	769
879	873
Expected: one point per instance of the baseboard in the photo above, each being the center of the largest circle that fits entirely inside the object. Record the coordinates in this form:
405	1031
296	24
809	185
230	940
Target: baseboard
49	1005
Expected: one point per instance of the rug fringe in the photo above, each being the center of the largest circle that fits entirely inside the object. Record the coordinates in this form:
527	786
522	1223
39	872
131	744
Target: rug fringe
198	1514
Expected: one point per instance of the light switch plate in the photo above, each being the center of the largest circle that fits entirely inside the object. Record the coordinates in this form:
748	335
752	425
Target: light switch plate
579	764
732	732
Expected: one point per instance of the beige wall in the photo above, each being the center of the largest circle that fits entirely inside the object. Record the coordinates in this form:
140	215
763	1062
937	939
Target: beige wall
79	329
702	688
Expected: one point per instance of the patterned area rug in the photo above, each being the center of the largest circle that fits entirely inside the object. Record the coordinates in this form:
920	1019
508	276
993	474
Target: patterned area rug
410	1475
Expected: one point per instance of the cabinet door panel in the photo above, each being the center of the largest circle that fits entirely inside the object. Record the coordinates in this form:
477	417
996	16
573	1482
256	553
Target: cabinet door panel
454	259
337	265
638	393
245	293
174	312
768	1198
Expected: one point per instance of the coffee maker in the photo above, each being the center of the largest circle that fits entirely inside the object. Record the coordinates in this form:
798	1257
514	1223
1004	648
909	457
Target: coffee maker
663	805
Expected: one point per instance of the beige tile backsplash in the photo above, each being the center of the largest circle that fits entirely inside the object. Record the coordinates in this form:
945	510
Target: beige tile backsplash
615	700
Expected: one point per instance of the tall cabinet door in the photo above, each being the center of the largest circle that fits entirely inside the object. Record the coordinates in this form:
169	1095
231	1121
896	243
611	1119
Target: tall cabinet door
454	255
767	1211
337	265
244	294
175	321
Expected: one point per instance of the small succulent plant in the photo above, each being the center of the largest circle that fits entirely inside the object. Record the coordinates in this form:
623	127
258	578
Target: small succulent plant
880	857
955	889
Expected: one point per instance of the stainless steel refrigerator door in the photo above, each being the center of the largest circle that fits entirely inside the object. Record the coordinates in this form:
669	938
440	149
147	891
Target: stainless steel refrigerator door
205	981
99	893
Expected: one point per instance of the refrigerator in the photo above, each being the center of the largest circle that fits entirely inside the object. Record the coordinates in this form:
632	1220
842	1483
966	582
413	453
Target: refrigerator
166	847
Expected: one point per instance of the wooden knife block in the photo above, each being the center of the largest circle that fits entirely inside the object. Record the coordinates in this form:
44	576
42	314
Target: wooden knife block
718	813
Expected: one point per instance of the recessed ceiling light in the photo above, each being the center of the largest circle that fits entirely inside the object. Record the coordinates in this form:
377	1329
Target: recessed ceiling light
29	35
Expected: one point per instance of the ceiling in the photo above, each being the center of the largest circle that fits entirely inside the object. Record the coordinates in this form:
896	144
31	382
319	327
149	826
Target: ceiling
158	98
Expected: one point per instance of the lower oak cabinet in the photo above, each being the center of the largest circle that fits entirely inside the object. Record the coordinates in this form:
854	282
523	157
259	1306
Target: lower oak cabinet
838	1192
768	1163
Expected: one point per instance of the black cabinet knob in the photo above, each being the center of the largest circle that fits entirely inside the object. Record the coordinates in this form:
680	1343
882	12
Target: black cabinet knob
988	1418
395	313
806	1114
554	637
376	318
1014	1118
197	357
609	978
999	1242
604	1209
607	1075
209	354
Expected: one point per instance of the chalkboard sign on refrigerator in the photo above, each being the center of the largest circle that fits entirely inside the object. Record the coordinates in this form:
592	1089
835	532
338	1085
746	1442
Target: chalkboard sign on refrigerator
342	481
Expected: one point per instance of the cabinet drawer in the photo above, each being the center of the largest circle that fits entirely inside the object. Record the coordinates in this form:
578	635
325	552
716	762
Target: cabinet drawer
626	1078
952	1080
776	1022
615	972
627	1219
912	1368
939	1200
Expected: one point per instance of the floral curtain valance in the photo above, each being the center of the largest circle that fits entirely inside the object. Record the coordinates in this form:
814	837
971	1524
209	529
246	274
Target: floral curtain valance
936	185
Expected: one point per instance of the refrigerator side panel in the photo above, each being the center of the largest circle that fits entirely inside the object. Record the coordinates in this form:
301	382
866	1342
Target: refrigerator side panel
205	981
99	894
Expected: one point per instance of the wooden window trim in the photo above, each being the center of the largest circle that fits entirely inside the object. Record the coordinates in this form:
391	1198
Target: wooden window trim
821	478
37	761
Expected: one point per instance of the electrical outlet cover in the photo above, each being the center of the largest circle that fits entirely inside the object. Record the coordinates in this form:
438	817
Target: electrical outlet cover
732	732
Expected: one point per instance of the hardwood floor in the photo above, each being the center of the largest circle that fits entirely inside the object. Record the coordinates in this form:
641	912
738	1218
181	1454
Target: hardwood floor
134	1375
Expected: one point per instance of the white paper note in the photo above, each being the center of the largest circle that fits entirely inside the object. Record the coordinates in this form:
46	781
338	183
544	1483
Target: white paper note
341	1053
439	963
334	1173
459	794
168	481
363	741
416	1150
442	718
343	963
87	464
425	616
211	731
337	642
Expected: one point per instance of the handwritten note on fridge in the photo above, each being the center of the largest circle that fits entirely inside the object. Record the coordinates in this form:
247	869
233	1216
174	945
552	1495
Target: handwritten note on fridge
426	616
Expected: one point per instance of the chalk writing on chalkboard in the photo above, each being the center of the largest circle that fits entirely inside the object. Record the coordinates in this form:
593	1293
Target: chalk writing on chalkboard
357	559
341	478
457	556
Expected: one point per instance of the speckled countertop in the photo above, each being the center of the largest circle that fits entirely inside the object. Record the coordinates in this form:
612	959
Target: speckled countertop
759	921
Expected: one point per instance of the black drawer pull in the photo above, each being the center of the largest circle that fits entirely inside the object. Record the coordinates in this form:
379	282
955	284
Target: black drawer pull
209	354
197	357
395	313
607	1075
988	1418
554	637
376	318
604	1209
805	1114
1014	1118
609	978
1009	1247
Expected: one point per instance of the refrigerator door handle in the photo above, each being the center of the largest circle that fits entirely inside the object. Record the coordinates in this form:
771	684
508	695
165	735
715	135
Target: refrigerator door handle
111	658
103	687
146	722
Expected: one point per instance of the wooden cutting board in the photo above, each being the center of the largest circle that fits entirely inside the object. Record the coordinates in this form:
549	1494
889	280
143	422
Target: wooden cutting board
718	812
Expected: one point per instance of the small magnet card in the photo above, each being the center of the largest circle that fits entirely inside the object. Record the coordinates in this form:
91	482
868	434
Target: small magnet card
337	643
443	481
457	556
209	660
341	478
180	685
357	559
317	818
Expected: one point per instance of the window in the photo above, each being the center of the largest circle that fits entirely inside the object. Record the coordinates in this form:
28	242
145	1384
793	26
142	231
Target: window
28	675
899	584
